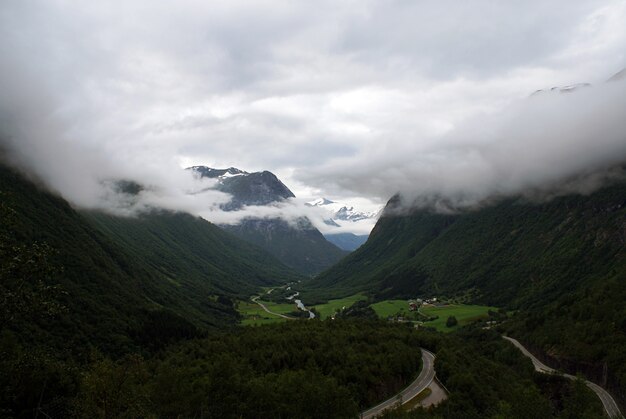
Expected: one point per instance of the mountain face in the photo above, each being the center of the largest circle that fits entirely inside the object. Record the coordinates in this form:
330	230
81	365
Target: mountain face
560	263
342	212
258	188
119	274
563	89
301	247
339	215
298	245
511	253
620	75
347	241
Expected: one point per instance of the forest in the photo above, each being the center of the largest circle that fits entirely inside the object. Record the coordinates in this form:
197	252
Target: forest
90	328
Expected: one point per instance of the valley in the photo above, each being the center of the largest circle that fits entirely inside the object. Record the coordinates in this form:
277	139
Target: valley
172	298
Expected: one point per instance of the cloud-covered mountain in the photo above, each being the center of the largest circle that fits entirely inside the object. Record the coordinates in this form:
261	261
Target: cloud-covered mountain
295	242
343	212
348	226
347	241
258	188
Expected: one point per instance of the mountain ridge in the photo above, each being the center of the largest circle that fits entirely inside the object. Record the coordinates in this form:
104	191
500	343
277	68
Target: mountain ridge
560	264
297	243
117	272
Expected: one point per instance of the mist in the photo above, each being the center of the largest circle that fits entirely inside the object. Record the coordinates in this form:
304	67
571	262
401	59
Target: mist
438	106
548	144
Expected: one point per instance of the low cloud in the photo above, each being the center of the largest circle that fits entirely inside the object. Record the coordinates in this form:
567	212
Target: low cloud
339	99
543	145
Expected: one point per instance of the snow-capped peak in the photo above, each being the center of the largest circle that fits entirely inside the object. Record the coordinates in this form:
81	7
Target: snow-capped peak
320	202
562	89
342	211
209	172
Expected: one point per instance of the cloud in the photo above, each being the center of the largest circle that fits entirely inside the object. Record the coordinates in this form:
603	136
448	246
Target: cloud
355	98
547	142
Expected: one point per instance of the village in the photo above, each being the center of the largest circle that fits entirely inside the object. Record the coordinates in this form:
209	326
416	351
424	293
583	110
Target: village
411	313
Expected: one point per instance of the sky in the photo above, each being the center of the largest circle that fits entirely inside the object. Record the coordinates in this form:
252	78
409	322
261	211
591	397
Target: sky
350	100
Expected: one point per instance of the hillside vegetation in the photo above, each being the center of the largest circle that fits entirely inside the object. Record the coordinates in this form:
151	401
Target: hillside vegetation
116	276
561	263
297	243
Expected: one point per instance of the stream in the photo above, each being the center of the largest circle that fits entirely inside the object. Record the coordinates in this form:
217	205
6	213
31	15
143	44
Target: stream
303	308
299	303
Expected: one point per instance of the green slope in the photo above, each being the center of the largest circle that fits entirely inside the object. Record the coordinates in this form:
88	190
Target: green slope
302	248
297	244
193	253
562	263
123	275
515	253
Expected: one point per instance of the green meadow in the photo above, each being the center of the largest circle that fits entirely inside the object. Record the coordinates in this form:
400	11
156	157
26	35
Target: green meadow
331	307
464	313
388	308
253	314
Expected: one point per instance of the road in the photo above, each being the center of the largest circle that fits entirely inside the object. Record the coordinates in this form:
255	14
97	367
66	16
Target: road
610	407
424	379
256	300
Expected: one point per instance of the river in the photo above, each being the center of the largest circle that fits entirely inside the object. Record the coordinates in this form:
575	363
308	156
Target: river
303	308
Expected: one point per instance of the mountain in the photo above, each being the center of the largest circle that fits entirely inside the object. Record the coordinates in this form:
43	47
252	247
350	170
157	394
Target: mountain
298	244
342	212
192	252
257	188
563	89
347	241
620	75
560	263
344	215
515	252
120	278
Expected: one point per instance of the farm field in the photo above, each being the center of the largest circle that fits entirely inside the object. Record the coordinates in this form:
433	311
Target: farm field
253	314
388	308
464	314
328	309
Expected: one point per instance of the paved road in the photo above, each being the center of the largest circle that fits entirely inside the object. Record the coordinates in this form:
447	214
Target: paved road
421	382
256	300
610	407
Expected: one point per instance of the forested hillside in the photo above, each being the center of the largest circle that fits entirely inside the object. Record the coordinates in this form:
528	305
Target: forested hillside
516	253
114	275
300	247
193	253
561	263
94	309
297	243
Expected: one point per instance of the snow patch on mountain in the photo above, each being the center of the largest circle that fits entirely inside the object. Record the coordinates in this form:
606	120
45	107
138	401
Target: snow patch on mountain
342	211
563	89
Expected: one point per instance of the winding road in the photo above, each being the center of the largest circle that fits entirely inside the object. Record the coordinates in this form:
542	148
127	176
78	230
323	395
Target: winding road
424	379
256	300
610	407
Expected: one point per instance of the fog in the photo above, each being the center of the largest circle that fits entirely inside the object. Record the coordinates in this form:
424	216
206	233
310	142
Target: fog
355	99
548	144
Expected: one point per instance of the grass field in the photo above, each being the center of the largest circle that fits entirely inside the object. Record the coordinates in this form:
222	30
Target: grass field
253	314
464	314
328	309
388	308
282	308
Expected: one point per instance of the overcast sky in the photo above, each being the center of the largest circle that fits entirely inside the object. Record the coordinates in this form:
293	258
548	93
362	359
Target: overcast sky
353	100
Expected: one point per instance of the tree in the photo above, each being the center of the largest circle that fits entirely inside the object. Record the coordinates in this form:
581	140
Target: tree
25	273
451	322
